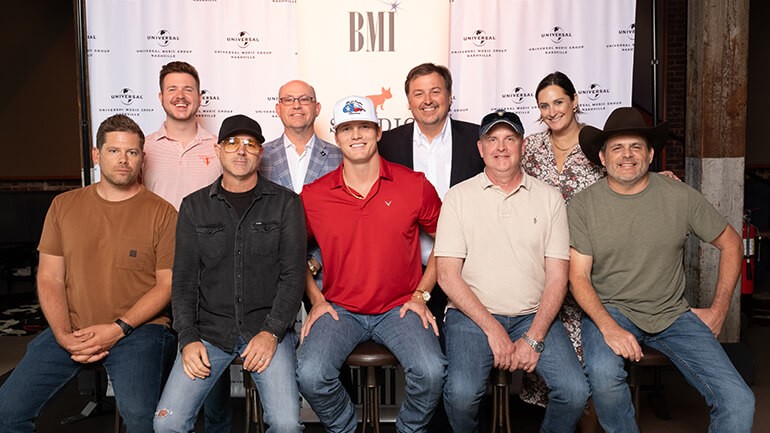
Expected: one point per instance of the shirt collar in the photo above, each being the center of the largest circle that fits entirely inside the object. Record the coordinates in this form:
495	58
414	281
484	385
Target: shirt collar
336	180
422	139
288	144
200	135
263	187
526	182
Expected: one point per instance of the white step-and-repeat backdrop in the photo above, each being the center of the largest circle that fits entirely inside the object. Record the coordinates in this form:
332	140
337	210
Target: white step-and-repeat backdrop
244	50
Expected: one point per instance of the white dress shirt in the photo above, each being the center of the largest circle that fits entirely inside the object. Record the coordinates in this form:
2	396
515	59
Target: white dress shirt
434	158
298	163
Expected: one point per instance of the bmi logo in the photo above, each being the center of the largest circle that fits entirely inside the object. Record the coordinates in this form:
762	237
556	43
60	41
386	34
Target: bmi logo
594	91
630	32
372	31
207	97
556	34
243	39
162	38
126	96
518	95
479	38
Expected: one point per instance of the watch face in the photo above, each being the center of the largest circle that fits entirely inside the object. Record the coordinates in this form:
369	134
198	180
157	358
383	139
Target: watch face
539	347
426	296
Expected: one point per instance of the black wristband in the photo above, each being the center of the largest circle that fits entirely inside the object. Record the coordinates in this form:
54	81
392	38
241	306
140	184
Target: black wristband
127	329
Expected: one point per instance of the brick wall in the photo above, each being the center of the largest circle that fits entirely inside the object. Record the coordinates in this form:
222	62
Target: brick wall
675	80
39	185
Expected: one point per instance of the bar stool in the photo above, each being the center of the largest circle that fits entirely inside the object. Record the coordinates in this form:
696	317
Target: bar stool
370	355
254	412
501	384
655	359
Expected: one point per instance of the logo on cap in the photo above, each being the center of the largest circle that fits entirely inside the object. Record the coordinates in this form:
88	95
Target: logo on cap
353	107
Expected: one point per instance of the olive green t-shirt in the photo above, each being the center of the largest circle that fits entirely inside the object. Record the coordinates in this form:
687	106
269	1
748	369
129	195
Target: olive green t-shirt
637	243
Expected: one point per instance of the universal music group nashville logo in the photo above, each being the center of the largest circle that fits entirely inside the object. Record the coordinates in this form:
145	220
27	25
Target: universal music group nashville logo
480	43
93	47
596	97
242	45
209	103
522	100
558	40
625	39
130	102
161	45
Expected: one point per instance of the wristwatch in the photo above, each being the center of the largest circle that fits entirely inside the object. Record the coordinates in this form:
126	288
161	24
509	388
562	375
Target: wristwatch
127	329
537	346
425	296
313	269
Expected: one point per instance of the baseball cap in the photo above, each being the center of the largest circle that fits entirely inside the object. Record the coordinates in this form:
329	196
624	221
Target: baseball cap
240	124
354	108
501	116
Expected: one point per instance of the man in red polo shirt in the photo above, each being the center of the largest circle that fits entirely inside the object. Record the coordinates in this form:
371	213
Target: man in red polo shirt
366	216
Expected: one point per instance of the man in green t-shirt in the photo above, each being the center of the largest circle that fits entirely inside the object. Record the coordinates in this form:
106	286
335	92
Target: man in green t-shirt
627	237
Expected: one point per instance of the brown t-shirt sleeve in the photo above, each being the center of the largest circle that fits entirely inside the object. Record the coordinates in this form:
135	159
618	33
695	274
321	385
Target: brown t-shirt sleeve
166	236
50	238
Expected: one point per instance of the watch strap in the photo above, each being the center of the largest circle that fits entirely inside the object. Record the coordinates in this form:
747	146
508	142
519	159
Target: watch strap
538	346
127	329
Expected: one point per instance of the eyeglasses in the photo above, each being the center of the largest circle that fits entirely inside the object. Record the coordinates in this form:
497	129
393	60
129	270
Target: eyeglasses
232	144
289	100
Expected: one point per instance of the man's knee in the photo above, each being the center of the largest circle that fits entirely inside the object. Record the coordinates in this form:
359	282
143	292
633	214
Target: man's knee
164	421
284	424
738	405
310	377
573	393
605	377
432	376
462	396
603	368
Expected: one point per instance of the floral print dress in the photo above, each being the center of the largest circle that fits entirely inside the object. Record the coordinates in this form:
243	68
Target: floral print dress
577	174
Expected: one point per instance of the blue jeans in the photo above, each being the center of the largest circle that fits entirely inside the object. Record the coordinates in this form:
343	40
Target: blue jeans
330	342
692	348
182	397
47	367
218	412
471	360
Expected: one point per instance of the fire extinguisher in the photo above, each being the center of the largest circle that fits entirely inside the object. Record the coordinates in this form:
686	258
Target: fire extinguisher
751	240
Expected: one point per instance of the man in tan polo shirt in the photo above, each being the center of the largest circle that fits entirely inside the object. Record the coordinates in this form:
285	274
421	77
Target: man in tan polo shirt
502	249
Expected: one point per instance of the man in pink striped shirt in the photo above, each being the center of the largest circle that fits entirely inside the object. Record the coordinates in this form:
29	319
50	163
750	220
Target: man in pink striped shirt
179	158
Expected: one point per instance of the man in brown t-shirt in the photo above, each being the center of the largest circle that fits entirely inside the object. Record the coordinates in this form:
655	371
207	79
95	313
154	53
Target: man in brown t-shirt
104	280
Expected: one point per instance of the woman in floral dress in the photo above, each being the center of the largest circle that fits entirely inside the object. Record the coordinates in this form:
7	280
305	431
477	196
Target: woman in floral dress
554	156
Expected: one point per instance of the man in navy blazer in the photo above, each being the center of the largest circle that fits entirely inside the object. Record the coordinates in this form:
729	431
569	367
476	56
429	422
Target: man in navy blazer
298	156
429	94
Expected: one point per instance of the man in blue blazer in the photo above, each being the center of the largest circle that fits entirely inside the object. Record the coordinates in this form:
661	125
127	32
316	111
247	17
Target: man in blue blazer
299	156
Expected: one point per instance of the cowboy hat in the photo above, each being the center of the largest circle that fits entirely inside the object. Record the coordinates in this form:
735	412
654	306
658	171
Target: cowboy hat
623	120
